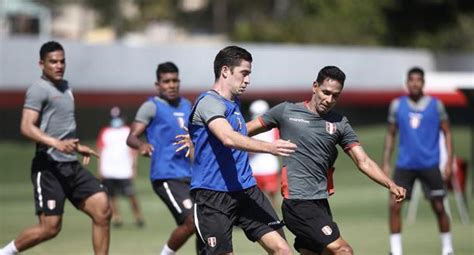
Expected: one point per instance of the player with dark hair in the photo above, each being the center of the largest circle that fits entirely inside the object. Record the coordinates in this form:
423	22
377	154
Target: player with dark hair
222	184
48	119
419	120
306	176
162	118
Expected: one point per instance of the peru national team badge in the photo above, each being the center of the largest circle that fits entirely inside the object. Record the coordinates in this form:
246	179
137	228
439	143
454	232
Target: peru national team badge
51	204
331	127
415	120
212	241
327	230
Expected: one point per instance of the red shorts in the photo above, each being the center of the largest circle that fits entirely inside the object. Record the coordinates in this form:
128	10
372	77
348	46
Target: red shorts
267	183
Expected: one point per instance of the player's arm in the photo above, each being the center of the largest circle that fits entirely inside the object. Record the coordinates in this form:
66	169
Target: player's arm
372	170
221	128
446	129
388	147
133	139
255	127
29	128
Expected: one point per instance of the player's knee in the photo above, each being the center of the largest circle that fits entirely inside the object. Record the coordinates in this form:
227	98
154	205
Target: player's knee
438	208
189	224
341	249
49	231
282	248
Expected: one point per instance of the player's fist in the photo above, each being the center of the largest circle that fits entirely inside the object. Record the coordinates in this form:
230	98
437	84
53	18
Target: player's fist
398	193
66	146
146	149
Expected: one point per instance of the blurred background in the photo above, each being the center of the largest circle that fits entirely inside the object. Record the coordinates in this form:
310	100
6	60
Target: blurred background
113	47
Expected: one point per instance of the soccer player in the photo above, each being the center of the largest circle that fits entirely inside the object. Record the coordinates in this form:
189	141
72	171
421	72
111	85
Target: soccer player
162	118
418	118
316	129
48	119
222	184
265	166
118	166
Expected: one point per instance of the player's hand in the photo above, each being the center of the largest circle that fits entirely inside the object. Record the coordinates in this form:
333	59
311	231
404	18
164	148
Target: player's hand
146	149
398	193
185	142
448	171
67	146
86	153
283	148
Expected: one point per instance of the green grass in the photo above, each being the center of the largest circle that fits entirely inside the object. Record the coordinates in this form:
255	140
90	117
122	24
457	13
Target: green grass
359	207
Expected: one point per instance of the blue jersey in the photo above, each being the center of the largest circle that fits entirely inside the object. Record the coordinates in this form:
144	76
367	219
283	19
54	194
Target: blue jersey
217	167
168	122
419	136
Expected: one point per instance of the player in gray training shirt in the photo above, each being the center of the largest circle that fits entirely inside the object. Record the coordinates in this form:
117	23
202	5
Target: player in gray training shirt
48	119
316	130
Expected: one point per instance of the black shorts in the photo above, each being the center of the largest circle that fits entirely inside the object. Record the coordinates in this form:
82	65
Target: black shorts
116	187
215	214
55	181
311	223
431	181
175	194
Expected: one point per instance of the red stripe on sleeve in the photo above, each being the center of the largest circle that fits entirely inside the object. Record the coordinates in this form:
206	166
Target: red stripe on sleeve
350	146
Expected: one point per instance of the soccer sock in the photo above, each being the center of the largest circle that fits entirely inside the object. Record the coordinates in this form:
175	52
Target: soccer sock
396	244
167	250
10	249
446	243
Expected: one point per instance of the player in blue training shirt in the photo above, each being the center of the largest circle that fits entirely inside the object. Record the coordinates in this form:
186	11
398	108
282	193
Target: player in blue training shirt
222	184
162	118
419	119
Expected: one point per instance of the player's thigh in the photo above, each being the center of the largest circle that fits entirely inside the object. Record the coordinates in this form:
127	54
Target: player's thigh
85	191
311	222
48	192
214	220
176	195
432	183
405	178
255	214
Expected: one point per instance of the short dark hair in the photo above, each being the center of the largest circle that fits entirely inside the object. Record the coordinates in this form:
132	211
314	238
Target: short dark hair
417	70
332	72
230	56
49	47
166	67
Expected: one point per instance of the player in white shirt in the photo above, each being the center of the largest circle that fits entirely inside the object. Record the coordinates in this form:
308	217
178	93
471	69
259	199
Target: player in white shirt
265	166
117	166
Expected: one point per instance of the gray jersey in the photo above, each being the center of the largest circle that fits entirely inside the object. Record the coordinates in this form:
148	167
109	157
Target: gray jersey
316	137
209	108
55	105
420	105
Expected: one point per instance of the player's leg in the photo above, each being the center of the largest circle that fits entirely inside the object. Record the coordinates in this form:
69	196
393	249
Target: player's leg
258	219
113	191
312	224
175	194
214	215
339	247
435	191
89	195
129	191
405	179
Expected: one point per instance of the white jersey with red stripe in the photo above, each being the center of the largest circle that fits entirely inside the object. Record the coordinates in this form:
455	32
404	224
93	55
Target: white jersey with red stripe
263	163
116	158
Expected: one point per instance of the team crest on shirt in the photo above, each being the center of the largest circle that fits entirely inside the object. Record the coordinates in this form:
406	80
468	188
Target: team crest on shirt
187	203
51	204
327	230
212	241
331	128
415	119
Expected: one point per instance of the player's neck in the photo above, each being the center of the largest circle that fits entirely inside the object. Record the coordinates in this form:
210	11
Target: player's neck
55	83
225	93
415	98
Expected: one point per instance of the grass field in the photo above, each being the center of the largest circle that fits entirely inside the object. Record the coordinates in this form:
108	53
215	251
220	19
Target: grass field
359	207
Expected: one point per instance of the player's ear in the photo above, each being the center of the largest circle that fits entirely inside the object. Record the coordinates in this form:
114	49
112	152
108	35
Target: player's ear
41	64
315	86
225	71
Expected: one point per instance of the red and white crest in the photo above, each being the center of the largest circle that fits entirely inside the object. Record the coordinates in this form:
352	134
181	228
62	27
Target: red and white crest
212	241
415	120
51	204
331	127
327	230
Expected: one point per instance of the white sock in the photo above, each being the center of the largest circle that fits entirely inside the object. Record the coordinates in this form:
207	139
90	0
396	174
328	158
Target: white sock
167	250
396	244
10	249
446	243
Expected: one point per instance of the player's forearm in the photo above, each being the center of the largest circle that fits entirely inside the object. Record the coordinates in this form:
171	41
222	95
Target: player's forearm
373	171
35	134
237	141
134	142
